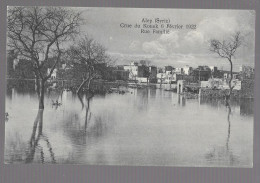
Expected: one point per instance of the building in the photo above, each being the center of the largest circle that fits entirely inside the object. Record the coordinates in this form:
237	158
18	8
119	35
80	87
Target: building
178	70
161	77
213	69
247	72
133	69
212	83
54	73
187	70
202	73
138	71
120	74
217	83
227	75
169	78
160	70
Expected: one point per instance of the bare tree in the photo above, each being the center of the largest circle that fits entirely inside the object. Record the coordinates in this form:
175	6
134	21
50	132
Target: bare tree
226	49
89	59
38	34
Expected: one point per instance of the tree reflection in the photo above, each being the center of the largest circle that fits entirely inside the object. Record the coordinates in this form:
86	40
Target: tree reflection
34	142
229	124
223	153
80	131
89	96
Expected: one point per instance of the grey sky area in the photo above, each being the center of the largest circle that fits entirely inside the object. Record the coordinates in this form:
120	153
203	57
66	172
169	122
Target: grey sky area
178	48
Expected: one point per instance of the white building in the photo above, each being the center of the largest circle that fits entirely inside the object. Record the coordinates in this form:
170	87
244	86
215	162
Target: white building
213	68
54	73
15	63
187	70
141	80
133	70
166	78
179	70
220	84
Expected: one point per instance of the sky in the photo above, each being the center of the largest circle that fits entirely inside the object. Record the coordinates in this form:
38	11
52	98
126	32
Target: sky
179	47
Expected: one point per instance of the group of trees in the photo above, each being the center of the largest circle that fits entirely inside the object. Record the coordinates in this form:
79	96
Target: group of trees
42	36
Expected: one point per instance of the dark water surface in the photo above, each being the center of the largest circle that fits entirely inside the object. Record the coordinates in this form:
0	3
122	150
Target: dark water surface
141	127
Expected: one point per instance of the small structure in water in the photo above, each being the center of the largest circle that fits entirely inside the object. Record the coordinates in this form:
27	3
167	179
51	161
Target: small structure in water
56	103
180	86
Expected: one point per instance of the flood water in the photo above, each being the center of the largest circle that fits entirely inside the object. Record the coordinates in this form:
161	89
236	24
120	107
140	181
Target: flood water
140	127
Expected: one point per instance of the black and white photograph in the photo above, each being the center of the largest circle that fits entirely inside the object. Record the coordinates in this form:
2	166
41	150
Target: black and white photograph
129	86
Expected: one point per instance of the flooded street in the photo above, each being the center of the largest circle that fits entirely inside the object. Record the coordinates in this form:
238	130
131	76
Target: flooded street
140	127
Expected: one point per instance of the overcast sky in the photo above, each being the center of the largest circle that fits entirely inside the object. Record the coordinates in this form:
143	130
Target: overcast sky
179	47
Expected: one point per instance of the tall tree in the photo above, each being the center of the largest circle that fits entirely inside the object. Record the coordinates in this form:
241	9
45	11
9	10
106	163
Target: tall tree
89	59
227	49
38	34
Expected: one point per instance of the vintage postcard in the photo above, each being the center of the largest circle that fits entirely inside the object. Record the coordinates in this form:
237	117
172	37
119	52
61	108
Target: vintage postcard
130	86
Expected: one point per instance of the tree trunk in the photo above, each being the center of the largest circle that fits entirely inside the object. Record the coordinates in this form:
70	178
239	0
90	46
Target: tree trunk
89	82
41	97
37	85
81	85
231	78
81	101
87	118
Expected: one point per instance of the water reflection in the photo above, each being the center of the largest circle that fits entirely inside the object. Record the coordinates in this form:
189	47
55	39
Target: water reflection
142	94
216	103
181	100
129	129
91	125
88	96
223	153
229	125
34	144
152	93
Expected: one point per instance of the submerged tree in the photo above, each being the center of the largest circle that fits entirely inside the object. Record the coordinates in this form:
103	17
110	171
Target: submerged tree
38	34
227	49
89	60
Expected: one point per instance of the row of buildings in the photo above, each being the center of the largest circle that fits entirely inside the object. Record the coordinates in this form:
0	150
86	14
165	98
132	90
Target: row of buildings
167	75
141	72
